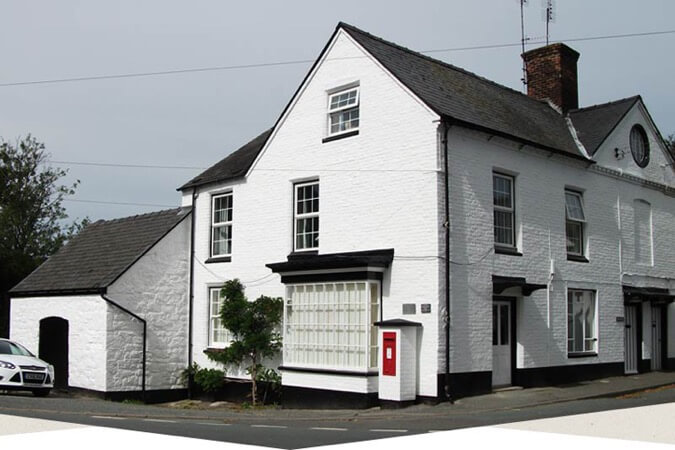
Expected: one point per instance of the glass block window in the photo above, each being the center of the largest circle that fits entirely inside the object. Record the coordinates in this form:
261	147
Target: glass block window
574	224
343	111
221	225
581	328
330	325
219	336
306	216
504	210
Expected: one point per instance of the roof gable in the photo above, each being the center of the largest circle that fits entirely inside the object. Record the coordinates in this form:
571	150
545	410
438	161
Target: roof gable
99	254
594	123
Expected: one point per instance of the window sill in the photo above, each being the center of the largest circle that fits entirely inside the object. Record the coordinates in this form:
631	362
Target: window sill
336	137
218	259
354	373
507	251
214	350
582	355
577	258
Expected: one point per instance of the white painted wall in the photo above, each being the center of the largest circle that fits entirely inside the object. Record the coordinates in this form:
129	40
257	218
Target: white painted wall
87	330
156	289
378	190
540	212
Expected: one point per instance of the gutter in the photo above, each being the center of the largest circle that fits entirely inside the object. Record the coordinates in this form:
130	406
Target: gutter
446	184
191	294
145	329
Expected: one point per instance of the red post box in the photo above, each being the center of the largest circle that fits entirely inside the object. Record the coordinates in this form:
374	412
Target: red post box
389	353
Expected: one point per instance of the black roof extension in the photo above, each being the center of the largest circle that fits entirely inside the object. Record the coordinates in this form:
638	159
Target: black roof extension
470	100
234	166
594	123
99	254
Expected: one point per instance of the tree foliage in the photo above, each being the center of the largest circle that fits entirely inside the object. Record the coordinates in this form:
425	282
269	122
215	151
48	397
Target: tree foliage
254	329
31	212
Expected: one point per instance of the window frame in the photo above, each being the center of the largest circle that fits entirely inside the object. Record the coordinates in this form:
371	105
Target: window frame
372	312
511	210
211	343
338	111
637	131
577	222
570	316
215	225
305	216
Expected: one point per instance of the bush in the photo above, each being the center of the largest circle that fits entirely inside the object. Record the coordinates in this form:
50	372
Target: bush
209	380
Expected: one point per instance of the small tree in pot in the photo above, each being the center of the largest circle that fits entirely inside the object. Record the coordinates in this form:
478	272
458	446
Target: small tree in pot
254	328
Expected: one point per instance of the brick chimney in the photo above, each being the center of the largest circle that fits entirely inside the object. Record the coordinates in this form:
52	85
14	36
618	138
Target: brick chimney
552	75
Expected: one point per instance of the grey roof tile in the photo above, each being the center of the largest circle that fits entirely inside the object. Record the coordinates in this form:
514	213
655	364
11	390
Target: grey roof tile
99	254
469	99
594	123
235	165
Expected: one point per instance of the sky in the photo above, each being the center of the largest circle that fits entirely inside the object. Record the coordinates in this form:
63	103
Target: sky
192	120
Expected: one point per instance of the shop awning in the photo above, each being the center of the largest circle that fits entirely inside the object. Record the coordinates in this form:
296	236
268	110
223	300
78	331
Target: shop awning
634	294
500	284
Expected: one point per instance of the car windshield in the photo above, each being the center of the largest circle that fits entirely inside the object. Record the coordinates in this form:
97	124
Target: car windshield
11	348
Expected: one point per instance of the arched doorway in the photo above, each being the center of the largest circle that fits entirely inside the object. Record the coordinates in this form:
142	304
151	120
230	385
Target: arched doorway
54	347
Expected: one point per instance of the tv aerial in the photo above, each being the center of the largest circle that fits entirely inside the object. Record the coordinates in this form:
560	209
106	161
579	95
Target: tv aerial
548	14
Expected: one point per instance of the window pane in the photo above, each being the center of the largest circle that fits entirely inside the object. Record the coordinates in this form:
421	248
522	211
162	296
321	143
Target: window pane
581	330
503	227
573	207
504	324
574	237
502	191
495	324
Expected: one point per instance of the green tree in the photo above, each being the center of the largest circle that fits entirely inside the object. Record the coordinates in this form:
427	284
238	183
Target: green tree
254	328
31	214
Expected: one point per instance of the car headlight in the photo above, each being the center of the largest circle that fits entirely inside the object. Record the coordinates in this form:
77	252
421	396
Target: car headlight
51	369
7	365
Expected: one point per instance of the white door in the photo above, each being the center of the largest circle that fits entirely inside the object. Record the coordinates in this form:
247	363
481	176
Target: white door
501	343
630	340
656	337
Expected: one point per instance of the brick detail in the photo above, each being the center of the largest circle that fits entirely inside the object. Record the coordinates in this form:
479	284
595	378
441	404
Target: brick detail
552	75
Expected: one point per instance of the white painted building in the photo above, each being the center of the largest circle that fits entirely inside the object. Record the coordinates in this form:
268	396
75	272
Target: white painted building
432	234
109	310
557	237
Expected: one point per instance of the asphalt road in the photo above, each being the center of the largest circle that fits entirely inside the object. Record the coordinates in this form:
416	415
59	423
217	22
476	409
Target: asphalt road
298	429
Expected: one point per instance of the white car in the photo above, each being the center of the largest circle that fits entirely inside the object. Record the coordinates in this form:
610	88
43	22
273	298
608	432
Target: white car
20	370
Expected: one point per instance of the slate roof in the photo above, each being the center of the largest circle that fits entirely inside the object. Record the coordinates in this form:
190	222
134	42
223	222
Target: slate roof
99	254
469	99
235	165
594	123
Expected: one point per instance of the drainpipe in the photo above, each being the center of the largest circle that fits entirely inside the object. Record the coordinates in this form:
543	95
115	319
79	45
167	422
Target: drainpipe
191	294
145	329
446	185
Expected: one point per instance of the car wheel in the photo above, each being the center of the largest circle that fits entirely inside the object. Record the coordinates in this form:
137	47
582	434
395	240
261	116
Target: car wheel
41	392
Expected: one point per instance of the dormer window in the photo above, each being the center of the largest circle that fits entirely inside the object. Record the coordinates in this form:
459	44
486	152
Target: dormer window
639	145
343	111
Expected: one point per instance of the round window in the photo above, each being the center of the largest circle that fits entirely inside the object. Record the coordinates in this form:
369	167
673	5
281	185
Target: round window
639	145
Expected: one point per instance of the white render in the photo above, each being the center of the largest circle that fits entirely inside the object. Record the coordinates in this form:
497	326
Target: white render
156	289
86	316
106	343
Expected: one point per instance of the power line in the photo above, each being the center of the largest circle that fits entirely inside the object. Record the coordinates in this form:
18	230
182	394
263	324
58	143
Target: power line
138	166
103	202
307	61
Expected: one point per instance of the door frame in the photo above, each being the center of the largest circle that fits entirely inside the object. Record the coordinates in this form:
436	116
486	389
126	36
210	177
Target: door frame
512	337
663	313
637	335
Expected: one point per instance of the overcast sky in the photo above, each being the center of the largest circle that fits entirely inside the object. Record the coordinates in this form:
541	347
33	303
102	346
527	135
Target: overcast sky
196	119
